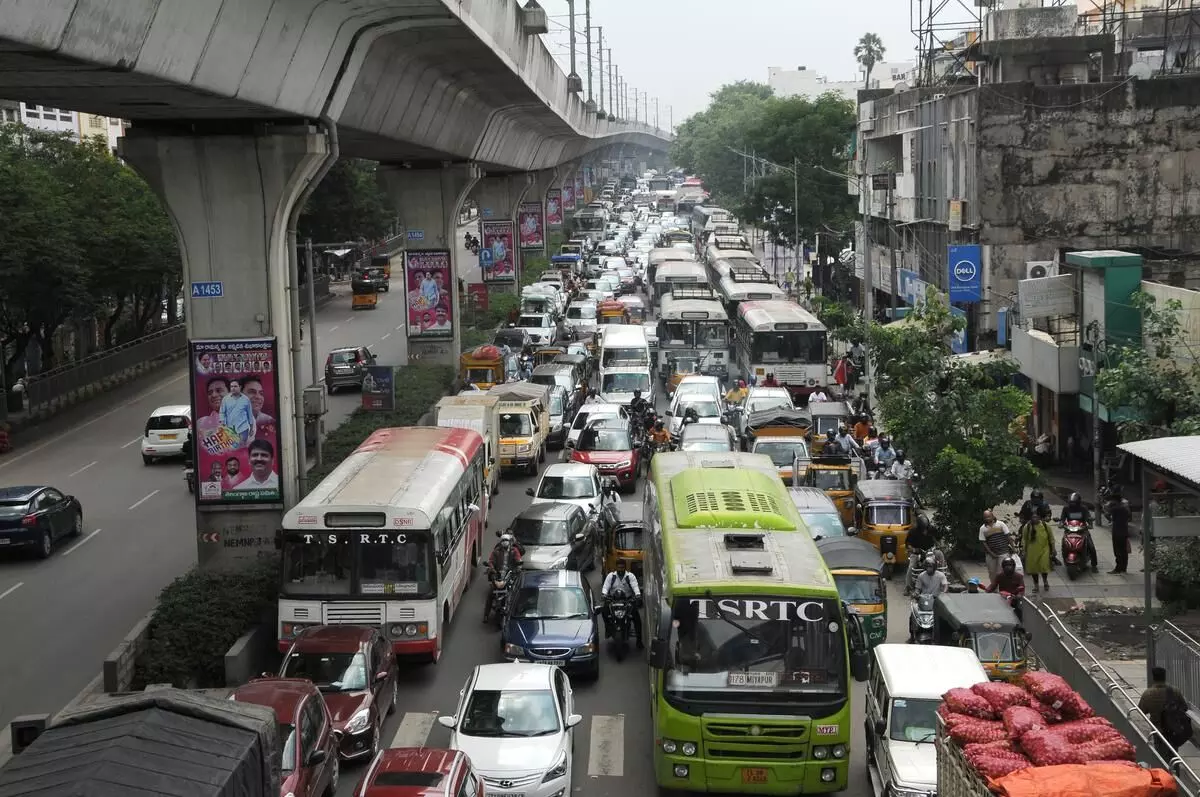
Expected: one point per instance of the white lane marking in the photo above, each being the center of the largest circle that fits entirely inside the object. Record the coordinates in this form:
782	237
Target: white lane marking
11	590
124	405
606	747
142	501
397	329
414	729
348	320
131	442
385	337
71	550
81	470
334	328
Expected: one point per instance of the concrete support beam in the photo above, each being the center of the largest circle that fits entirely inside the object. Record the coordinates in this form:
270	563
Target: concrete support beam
230	197
428	202
499	198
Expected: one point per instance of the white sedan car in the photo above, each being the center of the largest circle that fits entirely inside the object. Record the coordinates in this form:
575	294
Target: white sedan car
515	723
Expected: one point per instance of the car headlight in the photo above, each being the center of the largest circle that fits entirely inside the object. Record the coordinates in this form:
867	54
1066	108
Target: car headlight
513	650
359	722
557	771
524	449
586	650
625	463
559	563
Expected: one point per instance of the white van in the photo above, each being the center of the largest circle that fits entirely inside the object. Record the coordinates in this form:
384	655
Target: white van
624	346
904	692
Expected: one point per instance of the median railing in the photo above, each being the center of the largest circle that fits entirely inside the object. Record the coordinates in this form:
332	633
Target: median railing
1179	655
1061	652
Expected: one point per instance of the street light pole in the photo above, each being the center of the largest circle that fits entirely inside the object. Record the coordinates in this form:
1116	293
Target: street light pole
600	52
587	23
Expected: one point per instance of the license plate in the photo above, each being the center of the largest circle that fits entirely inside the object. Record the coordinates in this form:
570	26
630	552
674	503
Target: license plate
754	775
506	460
5	541
763	679
167	436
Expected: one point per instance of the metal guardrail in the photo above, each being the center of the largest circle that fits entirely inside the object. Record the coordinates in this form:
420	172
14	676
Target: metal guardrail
1063	653
1179	655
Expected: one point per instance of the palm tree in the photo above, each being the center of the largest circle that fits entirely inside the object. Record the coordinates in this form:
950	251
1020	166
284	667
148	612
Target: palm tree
869	51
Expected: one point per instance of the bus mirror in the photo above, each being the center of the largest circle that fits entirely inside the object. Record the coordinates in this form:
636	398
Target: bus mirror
658	654
860	665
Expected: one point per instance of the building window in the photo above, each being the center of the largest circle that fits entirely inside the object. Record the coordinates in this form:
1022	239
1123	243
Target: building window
10	114
31	112
96	122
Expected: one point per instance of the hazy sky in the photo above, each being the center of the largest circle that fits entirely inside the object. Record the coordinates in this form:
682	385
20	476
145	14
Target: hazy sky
682	50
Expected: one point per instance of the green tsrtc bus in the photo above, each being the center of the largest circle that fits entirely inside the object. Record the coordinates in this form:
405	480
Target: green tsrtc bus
749	646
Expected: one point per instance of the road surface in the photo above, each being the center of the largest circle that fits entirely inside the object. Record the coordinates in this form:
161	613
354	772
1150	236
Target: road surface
60	617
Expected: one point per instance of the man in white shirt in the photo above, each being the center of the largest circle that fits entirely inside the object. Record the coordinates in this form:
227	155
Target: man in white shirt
819	395
262	468
620	583
441	321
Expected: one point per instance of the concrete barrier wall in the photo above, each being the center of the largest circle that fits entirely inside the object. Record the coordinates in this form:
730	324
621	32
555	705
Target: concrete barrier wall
119	665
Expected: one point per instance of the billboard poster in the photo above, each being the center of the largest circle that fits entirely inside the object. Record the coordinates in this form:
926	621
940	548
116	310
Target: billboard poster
235	391
568	196
379	388
427	284
554	208
587	176
578	190
477	294
627	166
496	256
530	224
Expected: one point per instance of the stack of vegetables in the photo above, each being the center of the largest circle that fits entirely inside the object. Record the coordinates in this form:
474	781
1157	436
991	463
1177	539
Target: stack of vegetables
1003	728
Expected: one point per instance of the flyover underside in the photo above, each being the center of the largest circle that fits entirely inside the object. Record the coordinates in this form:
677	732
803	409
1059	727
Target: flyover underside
423	96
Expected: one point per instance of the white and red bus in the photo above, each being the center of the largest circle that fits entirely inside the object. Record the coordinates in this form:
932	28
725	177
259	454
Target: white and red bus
389	539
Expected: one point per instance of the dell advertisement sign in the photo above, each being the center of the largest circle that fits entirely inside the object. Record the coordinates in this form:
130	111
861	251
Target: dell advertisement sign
966	274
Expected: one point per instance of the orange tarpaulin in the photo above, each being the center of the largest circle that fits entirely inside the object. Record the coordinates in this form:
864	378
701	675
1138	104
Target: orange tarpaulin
1091	780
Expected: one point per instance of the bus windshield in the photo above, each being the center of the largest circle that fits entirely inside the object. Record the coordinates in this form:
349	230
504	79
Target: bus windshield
739	649
357	562
788	347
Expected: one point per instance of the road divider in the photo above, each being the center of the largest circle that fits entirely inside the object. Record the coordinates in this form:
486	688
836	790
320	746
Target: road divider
414	729
606	746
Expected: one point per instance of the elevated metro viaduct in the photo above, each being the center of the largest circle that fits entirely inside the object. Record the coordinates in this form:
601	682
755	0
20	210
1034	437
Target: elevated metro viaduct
240	108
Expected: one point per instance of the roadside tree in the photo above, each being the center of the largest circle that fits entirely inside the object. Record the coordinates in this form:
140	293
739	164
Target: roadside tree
868	52
347	205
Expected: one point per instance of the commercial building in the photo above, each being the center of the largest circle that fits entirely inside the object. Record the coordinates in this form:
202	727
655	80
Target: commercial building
59	120
805	82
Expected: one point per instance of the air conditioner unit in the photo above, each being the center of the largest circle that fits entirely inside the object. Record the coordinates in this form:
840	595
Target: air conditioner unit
1037	269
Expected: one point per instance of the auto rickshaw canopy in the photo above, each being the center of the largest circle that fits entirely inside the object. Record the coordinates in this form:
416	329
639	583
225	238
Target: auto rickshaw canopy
778	417
827	415
982	611
850	553
884	490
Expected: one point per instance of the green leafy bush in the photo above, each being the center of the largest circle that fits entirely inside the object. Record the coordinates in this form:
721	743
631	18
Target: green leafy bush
198	618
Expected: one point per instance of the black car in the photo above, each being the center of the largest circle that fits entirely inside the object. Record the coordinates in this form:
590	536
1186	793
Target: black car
552	620
512	337
37	517
346	366
557	536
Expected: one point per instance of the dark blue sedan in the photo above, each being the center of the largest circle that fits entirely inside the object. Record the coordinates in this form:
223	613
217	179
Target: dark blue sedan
552	620
37	518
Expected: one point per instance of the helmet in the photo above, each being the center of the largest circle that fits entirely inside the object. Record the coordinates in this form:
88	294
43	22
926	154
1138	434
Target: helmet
637	393
831	435
975	582
592	392
1036	495
842	428
506	540
1074	498
1044	511
1009	563
900	454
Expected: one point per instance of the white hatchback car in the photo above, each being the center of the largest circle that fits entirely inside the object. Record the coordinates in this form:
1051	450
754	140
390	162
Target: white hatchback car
167	429
575	483
516	723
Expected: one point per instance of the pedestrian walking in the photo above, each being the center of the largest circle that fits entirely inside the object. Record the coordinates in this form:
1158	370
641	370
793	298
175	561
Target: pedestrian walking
997	541
1037	542
1119	514
1167	708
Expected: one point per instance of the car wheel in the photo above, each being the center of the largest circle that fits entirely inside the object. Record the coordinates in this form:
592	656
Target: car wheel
395	698
77	527
335	774
147	460
45	545
329	390
377	739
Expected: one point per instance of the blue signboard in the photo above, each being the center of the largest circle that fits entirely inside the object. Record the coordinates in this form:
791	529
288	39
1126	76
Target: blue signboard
966	273
208	290
486	212
485	258
958	343
416	235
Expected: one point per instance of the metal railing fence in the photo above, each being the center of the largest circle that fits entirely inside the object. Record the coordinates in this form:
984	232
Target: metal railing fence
1179	655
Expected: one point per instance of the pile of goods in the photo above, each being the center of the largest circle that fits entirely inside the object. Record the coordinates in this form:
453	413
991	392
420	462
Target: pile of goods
1003	728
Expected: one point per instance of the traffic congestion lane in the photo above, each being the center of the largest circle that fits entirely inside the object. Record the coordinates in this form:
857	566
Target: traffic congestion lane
59	618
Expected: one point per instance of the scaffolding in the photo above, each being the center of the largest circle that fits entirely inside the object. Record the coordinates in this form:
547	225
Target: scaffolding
944	30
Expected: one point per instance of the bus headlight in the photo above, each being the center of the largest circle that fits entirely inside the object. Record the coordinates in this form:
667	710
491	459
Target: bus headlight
688	748
820	753
839	751
669	746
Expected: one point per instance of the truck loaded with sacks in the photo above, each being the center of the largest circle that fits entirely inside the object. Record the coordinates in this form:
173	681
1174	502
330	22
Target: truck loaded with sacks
1036	738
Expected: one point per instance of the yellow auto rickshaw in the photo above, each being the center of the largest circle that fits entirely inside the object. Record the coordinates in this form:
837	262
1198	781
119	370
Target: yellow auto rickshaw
987	625
482	366
624	540
364	295
857	572
612	312
678	368
546	355
884	513
837	476
827	416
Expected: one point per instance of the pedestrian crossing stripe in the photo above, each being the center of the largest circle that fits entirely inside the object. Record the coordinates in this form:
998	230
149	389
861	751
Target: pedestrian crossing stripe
606	740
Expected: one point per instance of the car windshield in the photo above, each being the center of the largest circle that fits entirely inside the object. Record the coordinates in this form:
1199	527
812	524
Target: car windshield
994	646
888	515
481	375
759	404
536	531
550	603
533	321
783	453
515	713
724	649
858	589
557	401
581	417
605	440
824	524
825	425
516	425
511	338
913	720
625	383
705	445
331	672
825	479
286	736
343	357
570	487
704	409
686	365
585	312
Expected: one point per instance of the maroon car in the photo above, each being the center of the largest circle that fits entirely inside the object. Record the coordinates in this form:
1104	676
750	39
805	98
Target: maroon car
355	669
420	772
310	769
609	445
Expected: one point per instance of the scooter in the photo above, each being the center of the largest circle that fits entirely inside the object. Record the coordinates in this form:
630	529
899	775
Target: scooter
620	609
1074	548
920	620
916	564
500	584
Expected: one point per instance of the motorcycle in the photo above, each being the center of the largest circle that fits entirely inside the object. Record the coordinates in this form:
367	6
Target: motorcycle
501	584
620	610
920	620
916	564
1074	548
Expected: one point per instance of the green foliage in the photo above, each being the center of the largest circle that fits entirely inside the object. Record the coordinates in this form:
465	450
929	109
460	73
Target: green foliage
82	237
1157	384
347	205
954	420
840	318
198	618
807	136
869	52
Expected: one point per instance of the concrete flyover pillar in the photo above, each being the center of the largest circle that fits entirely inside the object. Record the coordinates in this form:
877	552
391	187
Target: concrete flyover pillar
230	196
428	202
499	197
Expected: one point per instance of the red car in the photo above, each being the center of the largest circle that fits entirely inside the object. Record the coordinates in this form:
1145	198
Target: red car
609	445
301	712
420	772
355	669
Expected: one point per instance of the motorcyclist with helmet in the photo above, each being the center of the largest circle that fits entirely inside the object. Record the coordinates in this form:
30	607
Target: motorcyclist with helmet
1029	509
885	455
621	584
846	440
900	469
505	556
659	436
1008	582
738	393
638	405
1075	510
